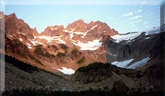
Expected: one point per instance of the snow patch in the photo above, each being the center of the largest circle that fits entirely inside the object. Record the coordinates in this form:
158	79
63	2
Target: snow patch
122	64
29	45
147	38
53	28
79	33
67	71
21	39
90	45
61	41
71	35
50	39
119	38
139	63
36	42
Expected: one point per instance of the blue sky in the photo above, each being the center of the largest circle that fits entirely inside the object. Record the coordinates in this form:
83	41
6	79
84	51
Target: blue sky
122	15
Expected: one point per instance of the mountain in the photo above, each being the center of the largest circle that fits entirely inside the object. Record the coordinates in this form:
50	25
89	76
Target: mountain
82	56
79	44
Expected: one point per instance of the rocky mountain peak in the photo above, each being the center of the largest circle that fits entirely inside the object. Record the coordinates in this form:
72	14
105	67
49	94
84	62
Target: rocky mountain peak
11	16
87	40
78	26
35	32
53	30
79	21
16	26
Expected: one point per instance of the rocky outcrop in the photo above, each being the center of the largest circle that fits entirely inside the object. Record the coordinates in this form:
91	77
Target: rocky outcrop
78	26
15	26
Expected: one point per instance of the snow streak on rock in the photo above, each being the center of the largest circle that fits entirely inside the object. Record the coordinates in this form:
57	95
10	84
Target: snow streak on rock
122	64
139	63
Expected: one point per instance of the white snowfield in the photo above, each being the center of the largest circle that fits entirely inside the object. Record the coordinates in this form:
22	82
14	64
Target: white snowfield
119	38
90	45
67	71
125	63
139	63
122	64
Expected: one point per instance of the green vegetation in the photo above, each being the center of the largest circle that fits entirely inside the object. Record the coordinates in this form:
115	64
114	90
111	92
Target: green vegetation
38	46
64	47
38	49
47	92
41	51
60	54
82	60
36	60
55	47
75	52
15	46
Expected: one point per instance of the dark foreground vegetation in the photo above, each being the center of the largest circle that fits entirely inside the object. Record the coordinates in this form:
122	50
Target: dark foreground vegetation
46	92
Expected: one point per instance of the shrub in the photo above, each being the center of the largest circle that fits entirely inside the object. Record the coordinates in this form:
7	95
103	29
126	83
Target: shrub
38	46
40	51
64	46
61	54
82	60
55	47
75	52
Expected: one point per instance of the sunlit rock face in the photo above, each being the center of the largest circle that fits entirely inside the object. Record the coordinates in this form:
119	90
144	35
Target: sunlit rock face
57	47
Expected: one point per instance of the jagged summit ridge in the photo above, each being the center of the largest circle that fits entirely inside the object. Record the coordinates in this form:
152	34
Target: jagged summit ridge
57	47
